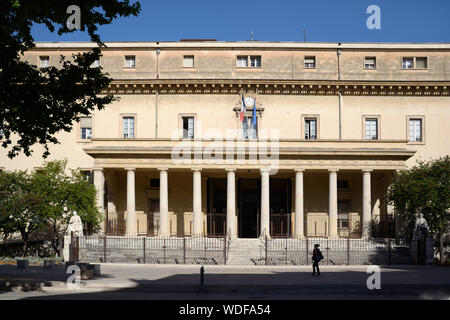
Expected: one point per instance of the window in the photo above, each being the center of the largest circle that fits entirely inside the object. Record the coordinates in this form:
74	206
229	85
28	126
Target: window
128	127
86	128
310	62
408	63
45	61
95	64
415	63
311	129
371	129
188	127
130	61
415	130
421	63
370	63
249	130
242	61
188	61
255	61
154	183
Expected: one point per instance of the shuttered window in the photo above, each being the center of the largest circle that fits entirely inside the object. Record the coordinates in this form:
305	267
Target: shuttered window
310	62
421	63
242	61
188	61
44	61
371	129
310	129
415	130
370	63
86	128
130	61
128	127
188	127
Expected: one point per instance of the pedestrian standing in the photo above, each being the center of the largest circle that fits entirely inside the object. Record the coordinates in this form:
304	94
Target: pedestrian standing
316	257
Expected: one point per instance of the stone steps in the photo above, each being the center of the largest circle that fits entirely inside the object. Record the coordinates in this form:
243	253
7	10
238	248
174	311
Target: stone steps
242	251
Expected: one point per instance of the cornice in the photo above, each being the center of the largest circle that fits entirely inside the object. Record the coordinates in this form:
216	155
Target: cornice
279	87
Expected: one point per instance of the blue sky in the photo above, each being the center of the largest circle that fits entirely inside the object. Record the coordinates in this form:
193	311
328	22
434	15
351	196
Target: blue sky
275	20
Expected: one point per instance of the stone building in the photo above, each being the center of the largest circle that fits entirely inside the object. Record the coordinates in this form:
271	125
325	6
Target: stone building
325	128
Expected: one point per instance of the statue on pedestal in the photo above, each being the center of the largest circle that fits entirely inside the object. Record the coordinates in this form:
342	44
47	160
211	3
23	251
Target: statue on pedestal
421	228
75	225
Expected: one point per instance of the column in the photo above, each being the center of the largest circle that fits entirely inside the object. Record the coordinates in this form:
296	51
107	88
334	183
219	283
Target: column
265	203
332	204
131	228
231	203
366	205
163	203
299	215
99	182
197	203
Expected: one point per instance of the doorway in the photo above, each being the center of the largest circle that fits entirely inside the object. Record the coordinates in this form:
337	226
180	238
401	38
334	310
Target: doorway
249	203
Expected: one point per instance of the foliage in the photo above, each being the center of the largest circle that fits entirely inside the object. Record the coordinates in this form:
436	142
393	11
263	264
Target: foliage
45	200
37	103
424	188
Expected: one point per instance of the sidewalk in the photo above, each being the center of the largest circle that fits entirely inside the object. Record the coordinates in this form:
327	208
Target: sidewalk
405	279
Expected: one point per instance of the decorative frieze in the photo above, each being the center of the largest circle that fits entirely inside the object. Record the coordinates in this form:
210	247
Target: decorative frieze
279	87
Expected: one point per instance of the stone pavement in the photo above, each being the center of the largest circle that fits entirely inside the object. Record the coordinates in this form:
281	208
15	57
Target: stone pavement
266	280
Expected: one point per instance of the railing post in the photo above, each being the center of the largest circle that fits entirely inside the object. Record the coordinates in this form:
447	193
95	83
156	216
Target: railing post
307	245
104	249
144	248
71	247
390	252
77	250
285	260
184	249
225	249
348	250
265	249
164	250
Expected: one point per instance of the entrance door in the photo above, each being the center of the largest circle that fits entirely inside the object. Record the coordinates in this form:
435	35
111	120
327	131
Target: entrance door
217	207
280	207
249	207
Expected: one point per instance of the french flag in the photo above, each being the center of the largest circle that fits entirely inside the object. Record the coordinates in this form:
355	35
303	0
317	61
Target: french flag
242	108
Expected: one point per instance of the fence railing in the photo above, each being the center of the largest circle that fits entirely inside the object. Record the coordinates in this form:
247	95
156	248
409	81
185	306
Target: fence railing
161	250
292	251
277	251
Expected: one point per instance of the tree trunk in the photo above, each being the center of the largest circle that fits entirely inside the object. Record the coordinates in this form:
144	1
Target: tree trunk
25	244
441	248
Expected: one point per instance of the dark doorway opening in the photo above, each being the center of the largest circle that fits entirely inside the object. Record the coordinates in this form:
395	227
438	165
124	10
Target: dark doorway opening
249	207
217	207
280	207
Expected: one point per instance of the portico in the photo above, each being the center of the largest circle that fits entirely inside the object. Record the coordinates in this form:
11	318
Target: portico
332	202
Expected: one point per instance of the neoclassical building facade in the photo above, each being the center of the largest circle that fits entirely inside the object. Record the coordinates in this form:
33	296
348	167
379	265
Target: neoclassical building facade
325	128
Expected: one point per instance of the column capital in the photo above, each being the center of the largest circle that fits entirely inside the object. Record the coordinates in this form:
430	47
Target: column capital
299	170
366	170
130	169
333	170
230	169
264	170
97	169
163	169
196	169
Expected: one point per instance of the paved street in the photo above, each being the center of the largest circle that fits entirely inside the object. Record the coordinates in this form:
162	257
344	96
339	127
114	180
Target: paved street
127	281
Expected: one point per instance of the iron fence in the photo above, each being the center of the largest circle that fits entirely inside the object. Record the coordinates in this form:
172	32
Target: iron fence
276	251
348	251
159	250
280	224
216	223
